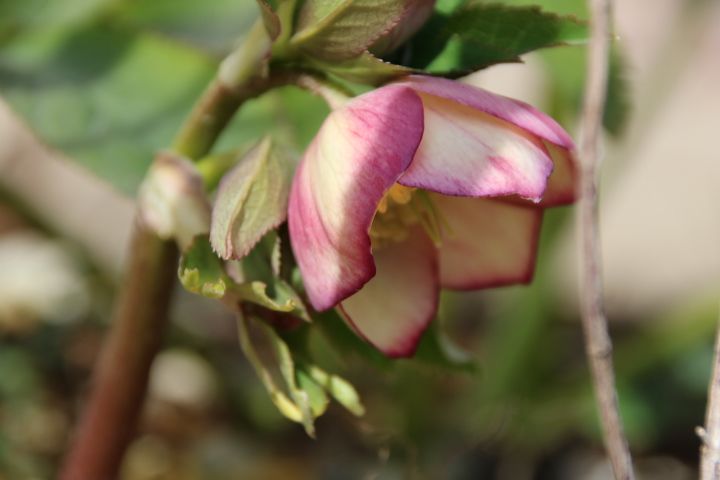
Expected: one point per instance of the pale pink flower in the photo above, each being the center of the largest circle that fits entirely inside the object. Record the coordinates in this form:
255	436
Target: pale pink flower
420	185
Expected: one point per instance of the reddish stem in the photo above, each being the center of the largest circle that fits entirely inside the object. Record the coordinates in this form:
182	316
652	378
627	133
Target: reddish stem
121	377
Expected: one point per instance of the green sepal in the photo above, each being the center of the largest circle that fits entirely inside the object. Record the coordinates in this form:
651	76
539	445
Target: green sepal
262	283
318	398
201	271
340	389
279	297
267	369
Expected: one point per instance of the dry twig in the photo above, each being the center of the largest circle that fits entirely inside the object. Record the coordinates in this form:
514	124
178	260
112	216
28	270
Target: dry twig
710	435
597	339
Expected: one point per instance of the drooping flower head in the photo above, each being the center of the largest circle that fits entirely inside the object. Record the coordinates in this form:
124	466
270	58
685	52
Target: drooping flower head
419	185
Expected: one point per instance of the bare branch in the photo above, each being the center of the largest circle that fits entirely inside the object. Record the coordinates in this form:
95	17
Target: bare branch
597	339
710	435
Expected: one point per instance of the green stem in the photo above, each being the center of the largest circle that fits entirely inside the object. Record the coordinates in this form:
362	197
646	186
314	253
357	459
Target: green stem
120	380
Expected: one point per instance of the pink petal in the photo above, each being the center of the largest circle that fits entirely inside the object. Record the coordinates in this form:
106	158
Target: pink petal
467	152
513	111
359	153
490	242
393	309
562	183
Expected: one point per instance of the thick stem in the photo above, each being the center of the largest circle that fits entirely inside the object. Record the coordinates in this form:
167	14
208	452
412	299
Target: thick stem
710	435
121	377
597	339
120	380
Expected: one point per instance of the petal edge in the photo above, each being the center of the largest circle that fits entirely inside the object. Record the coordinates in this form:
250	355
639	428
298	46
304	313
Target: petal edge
358	154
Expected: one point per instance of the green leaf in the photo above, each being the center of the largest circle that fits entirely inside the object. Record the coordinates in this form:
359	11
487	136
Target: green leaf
345	341
342	29
18	16
437	349
212	25
105	96
365	68
110	92
478	35
201	271
251	200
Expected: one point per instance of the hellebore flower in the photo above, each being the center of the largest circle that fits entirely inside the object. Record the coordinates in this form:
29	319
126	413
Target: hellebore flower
419	185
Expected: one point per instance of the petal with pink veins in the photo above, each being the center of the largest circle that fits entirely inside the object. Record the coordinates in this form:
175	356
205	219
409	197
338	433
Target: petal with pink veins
467	152
358	154
394	308
489	242
513	111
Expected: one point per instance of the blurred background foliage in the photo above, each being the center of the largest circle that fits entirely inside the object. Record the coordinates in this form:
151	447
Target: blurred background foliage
107	82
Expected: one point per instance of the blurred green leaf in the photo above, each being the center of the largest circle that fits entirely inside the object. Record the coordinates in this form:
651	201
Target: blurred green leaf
437	349
618	104
345	341
16	16
477	35
567	72
212	25
20	379
107	97
108	91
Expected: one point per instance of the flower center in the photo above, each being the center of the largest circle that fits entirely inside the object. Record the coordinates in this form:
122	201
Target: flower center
401	209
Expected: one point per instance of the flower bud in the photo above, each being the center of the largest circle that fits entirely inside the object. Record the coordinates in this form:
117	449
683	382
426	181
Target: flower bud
172	200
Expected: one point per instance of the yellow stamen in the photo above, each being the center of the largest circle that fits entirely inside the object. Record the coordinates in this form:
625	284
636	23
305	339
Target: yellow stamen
383	206
400	209
400	194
